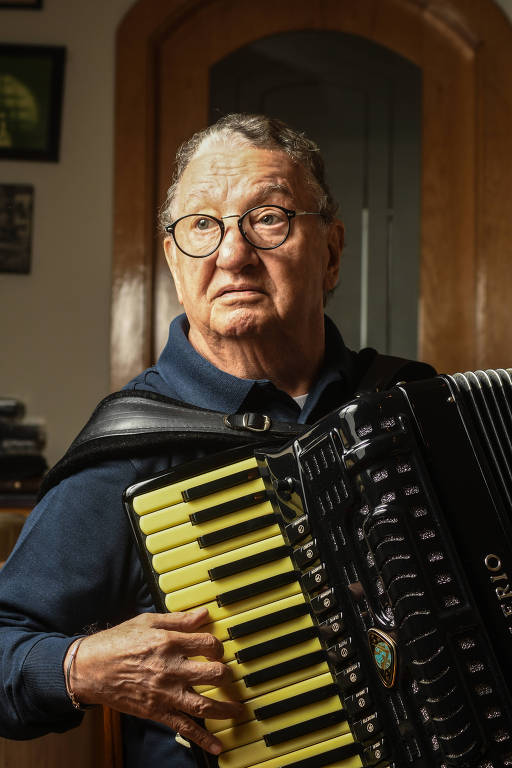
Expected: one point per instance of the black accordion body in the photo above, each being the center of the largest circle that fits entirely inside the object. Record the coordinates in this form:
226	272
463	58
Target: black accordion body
358	577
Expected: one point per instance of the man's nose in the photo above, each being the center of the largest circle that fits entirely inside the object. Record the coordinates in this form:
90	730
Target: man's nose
235	252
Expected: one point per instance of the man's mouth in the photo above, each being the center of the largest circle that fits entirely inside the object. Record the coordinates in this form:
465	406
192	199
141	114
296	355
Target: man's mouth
237	289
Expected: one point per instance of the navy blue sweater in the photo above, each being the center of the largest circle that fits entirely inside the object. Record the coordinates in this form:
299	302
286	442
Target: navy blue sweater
75	568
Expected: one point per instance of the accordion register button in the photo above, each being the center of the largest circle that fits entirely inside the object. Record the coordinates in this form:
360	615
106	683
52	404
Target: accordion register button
350	676
375	753
341	652
297	530
306	554
323	602
367	727
357	702
314	579
331	627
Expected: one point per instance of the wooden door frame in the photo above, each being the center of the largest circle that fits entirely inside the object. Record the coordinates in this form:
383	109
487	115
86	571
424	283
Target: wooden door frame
464	49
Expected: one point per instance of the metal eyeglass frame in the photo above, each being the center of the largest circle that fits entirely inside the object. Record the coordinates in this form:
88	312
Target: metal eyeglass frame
290	214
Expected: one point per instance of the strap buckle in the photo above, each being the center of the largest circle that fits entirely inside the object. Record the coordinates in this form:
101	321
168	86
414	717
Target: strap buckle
262	418
253	422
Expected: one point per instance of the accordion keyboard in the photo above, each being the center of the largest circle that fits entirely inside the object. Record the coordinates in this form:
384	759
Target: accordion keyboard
216	540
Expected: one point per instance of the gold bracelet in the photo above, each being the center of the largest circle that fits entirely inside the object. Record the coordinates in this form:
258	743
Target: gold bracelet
74	648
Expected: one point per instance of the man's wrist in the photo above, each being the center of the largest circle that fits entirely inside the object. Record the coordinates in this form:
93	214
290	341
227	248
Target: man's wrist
69	665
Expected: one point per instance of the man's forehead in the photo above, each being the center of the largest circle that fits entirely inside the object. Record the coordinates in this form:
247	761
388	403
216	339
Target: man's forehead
223	171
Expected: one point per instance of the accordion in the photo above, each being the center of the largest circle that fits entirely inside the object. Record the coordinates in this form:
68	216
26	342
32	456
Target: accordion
358	578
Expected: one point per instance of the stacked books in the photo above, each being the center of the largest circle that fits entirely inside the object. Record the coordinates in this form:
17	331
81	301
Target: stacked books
22	464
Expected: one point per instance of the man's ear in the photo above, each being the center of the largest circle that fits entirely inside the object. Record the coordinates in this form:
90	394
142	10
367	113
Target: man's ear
172	263
335	242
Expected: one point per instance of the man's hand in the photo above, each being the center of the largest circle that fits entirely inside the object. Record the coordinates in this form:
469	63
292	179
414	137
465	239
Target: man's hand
143	668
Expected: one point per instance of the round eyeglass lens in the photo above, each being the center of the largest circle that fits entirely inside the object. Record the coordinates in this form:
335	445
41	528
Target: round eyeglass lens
197	235
266	226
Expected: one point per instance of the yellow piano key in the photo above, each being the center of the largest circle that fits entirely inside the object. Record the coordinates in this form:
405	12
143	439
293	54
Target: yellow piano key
294	625
257	751
197	572
312	751
271	659
177	557
239	691
254	730
220	628
186	532
171	494
206	591
280	694
218	612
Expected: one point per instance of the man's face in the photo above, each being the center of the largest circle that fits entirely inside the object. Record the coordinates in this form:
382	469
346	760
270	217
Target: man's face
240	291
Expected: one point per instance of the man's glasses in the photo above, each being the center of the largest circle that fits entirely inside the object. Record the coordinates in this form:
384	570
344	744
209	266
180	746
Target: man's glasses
265	227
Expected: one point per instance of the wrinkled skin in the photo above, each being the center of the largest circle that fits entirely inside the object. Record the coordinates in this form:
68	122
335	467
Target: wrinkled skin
143	668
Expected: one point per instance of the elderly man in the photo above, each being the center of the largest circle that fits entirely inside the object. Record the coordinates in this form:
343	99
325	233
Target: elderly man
254	249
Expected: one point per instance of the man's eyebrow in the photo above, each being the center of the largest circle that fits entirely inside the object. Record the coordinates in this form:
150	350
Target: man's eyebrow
266	190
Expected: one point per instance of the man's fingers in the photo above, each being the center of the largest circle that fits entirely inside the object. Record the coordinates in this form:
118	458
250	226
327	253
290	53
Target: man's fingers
201	706
181	621
198	644
204	672
192	731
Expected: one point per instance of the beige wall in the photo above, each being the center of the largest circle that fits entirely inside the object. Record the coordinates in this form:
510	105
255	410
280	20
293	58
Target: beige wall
54	323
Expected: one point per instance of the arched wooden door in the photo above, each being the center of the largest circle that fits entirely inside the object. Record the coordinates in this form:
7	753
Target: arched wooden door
165	51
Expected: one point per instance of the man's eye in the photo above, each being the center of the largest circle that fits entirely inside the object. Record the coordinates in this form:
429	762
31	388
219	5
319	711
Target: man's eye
203	224
270	219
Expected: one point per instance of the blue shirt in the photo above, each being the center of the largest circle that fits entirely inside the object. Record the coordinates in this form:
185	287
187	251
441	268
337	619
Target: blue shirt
75	568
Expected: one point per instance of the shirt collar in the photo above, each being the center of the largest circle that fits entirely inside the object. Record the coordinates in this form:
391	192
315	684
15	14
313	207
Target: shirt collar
191	378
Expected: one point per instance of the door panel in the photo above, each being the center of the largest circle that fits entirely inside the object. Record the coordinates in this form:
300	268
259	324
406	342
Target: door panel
362	104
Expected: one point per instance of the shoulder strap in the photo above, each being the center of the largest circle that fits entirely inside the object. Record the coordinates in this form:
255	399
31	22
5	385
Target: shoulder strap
378	372
134	423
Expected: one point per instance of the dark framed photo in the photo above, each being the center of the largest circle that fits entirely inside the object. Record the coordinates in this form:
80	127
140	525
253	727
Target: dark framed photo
16	209
31	85
32	5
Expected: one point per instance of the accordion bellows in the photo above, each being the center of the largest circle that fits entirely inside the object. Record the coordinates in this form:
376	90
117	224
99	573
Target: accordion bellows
357	577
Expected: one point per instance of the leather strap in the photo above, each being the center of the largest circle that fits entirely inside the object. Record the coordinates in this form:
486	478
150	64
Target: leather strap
137	412
141	423
137	422
383	371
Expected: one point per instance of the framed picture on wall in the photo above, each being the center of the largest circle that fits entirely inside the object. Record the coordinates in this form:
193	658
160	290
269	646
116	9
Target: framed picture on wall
16	209
33	5
31	86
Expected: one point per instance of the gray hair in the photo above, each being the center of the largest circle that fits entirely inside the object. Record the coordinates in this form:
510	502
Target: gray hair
265	133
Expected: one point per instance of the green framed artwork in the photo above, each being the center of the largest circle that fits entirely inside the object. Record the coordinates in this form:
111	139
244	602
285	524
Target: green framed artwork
31	85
